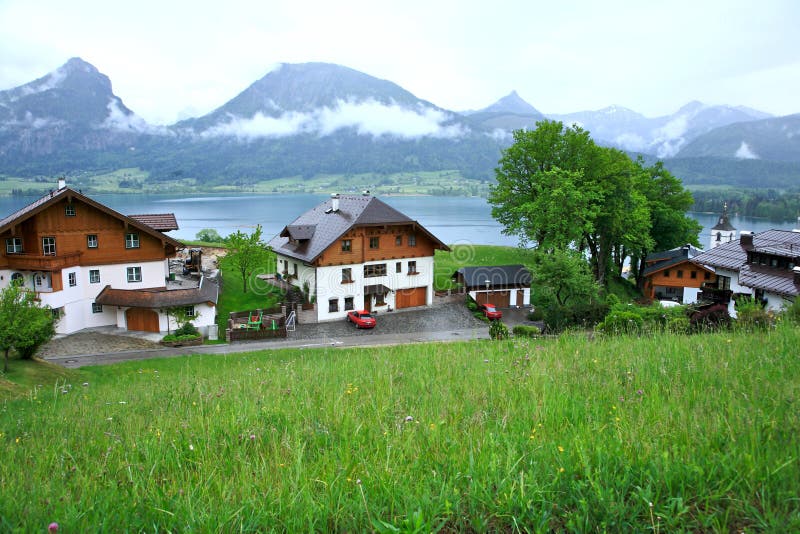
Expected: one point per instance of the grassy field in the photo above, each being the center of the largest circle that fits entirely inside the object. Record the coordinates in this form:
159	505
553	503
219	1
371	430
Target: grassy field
663	434
232	297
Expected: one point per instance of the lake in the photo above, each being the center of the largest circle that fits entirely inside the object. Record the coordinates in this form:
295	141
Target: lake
454	220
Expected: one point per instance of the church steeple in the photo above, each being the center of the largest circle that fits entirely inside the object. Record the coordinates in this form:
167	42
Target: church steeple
723	231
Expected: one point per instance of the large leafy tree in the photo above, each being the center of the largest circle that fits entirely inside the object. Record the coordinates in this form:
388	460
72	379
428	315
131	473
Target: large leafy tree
557	189
24	326
247	253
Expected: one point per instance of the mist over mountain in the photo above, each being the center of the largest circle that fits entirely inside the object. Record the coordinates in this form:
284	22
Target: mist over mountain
316	118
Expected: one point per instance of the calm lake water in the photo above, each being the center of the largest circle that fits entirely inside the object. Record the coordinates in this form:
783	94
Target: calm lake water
454	220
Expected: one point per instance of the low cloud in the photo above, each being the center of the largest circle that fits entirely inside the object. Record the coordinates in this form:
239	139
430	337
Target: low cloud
117	119
367	118
745	152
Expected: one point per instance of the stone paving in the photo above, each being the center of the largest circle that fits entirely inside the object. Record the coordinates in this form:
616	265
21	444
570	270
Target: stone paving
105	339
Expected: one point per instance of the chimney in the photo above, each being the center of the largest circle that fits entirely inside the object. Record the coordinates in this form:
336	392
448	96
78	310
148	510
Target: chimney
746	238
334	202
62	183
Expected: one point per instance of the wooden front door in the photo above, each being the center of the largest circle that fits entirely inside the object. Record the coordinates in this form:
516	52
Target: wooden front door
520	298
501	299
407	298
368	303
142	319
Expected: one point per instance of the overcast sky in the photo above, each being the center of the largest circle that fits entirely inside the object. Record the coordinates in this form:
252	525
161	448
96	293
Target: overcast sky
170	59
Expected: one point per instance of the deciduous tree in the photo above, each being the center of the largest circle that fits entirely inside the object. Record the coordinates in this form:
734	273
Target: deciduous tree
24	326
247	253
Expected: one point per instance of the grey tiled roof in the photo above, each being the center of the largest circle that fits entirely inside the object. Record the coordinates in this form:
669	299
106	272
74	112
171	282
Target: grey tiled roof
52	195
163	222
733	255
497	275
780	281
658	261
159	298
318	228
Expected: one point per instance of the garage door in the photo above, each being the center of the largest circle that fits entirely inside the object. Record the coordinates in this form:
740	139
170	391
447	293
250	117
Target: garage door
406	298
142	319
500	299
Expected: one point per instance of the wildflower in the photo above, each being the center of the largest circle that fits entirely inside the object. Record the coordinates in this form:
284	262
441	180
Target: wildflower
432	426
639	392
560	448
409	419
52	527
560	469
191	447
358	481
86	384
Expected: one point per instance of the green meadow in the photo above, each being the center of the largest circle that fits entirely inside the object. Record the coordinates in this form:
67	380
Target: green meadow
662	433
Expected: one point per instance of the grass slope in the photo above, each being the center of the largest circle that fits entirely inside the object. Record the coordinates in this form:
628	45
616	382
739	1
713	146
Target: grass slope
562	434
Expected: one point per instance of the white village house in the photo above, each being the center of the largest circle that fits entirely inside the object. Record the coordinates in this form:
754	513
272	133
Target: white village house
95	267
356	252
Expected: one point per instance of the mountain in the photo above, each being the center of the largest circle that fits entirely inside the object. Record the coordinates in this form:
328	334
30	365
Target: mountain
661	136
71	113
507	114
774	139
309	119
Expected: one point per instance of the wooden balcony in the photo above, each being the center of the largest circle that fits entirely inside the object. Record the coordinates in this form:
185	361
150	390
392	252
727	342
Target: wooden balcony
35	262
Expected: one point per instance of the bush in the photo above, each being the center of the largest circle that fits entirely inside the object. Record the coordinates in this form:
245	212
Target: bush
471	304
498	330
622	322
187	329
526	331
170	337
792	312
751	315
711	318
585	315
535	314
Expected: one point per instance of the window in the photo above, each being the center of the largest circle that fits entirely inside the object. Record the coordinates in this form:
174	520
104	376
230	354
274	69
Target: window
294	270
347	275
49	246
666	273
398	267
706	276
73	280
97	308
398	241
14	245
189	311
91	241
380	299
347	245
134	274
412	240
57	312
69	210
412	267
374	242
375	270
94	276
131	240
348	303
693	275
17	279
333	305
680	273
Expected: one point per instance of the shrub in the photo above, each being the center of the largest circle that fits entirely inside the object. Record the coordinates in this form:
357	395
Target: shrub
187	329
170	337
621	322
751	315
526	331
711	318
535	314
792	312
498	330
471	304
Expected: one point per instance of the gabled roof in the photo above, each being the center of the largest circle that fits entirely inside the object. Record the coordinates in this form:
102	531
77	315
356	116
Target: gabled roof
163	222
733	255
208	291
658	261
53	197
313	232
496	275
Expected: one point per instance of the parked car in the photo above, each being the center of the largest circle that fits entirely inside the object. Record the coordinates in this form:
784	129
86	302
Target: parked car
361	318
490	311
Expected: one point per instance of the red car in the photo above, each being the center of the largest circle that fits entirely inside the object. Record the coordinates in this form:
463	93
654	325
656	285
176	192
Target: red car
490	311
361	318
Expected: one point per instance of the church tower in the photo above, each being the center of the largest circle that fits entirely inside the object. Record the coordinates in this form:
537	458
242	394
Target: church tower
723	231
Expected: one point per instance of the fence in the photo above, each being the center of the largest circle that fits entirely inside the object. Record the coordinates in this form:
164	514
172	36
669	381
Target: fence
272	324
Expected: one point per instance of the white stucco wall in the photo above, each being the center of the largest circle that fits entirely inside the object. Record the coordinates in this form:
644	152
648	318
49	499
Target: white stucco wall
526	295
735	287
329	284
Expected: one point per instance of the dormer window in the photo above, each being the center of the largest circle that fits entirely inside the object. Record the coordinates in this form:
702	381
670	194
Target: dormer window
69	210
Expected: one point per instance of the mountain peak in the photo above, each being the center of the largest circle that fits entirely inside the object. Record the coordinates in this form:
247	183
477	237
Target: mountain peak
512	103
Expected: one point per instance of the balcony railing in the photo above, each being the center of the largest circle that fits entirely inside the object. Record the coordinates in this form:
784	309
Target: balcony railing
36	262
712	294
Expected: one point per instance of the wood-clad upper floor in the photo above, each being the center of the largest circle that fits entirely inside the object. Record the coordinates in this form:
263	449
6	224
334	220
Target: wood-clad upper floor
363	244
70	231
